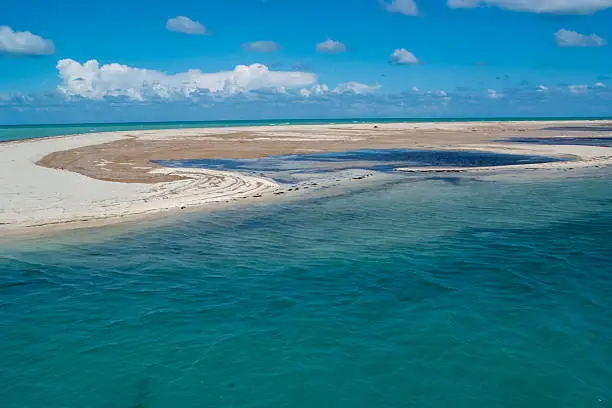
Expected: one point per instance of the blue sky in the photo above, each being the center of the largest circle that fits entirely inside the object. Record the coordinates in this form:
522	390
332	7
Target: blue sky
400	58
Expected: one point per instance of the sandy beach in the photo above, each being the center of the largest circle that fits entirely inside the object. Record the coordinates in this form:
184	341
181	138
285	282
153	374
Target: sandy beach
83	180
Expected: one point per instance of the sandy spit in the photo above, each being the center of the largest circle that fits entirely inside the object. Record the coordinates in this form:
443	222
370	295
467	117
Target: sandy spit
35	196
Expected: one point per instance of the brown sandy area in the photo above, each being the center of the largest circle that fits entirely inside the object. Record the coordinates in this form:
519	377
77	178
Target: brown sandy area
130	159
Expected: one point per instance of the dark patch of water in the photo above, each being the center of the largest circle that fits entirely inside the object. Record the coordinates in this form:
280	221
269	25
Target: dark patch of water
581	128
581	141
455	181
379	160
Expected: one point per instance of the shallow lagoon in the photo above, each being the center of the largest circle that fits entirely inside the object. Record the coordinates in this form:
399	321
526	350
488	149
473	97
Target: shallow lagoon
384	160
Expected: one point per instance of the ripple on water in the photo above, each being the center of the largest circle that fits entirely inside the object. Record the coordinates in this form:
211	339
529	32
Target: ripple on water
430	294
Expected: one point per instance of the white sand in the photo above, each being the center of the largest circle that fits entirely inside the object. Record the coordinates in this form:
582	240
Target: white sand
31	195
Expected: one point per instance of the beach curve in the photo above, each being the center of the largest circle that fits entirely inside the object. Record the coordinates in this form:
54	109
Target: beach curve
35	196
82	180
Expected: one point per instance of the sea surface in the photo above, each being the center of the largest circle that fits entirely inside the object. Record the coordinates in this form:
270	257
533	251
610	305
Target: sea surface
446	292
430	292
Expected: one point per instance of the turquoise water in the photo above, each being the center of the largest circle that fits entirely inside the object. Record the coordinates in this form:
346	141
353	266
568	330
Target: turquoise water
437	293
19	132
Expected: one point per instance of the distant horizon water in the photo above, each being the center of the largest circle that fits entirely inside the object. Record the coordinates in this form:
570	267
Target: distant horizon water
34	131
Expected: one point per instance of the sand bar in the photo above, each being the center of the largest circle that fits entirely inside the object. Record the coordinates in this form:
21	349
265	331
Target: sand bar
84	179
37	196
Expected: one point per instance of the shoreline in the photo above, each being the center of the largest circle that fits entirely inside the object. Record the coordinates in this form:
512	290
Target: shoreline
39	198
95	179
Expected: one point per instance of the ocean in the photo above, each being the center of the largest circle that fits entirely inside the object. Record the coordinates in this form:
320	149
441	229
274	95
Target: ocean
418	292
19	132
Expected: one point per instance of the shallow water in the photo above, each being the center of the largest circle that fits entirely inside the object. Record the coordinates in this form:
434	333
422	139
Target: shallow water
583	141
425	294
382	160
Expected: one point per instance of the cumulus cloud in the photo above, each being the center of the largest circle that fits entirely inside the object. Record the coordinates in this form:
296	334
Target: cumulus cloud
493	94
406	7
330	46
24	43
356	88
441	93
323	102
600	85
538	6
542	88
261	46
314	90
94	81
568	38
182	24
578	89
402	56
352	87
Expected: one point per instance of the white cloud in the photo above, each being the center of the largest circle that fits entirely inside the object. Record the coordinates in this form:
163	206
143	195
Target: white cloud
416	89
441	93
351	87
316	89
568	38
538	6
406	7
518	101
182	24
578	89
356	88
542	88
403	56
92	81
600	85
261	46
330	46
493	94
24	43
